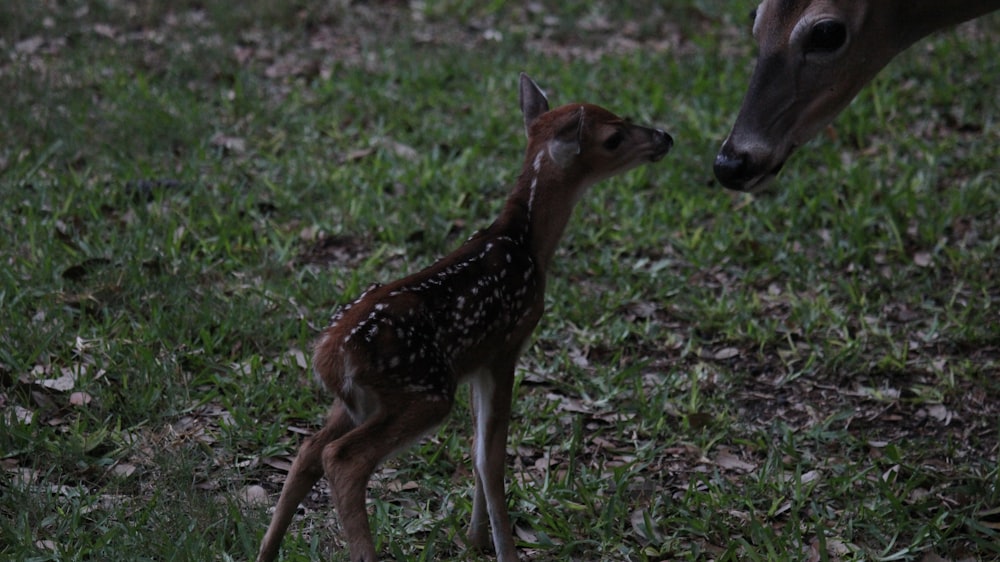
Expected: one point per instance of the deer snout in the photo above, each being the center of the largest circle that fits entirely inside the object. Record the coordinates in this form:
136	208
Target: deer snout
662	143
742	171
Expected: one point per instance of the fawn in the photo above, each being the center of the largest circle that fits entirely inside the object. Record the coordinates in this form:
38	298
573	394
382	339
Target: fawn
395	356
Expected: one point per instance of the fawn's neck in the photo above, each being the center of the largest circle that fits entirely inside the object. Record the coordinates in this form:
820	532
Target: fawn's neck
540	205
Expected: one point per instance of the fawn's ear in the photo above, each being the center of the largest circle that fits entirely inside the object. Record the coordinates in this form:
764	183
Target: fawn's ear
533	101
568	141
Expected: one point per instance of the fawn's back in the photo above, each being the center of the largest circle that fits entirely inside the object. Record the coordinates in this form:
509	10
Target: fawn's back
424	333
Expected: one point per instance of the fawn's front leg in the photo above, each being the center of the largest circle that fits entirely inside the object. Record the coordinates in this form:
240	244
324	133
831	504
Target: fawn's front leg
491	406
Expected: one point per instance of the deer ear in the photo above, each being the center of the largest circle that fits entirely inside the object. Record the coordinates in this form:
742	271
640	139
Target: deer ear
533	101
567	143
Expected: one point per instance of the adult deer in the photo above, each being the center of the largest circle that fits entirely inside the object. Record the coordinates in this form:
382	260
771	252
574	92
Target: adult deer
813	58
395	356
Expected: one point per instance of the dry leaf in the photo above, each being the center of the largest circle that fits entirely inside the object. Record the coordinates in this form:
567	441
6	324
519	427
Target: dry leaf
397	486
726	353
25	477
254	495
940	413
399	149
359	154
645	527
104	30
526	535
729	461
297	357
23	415
567	404
29	45
300	430
809	476
234	144
281	464
123	469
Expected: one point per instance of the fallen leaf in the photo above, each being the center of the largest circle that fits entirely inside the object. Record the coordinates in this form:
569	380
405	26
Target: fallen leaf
281	464
399	149
61	384
940	413
300	430
567	404
25	477
809	476
254	495
123	469
359	154
234	144
526	535
104	30
298	357
23	415
397	486
732	462
29	45
726	353
80	399
645	526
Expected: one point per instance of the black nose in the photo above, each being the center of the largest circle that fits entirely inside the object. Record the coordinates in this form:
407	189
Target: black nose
665	138
731	169
663	143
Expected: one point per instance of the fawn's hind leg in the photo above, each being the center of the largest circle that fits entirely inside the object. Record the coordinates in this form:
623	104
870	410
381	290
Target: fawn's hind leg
350	461
306	470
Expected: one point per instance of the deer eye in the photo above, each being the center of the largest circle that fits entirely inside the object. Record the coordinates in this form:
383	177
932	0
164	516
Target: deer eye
614	141
826	37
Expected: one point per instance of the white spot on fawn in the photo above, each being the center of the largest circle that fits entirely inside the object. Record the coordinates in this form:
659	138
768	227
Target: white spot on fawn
537	165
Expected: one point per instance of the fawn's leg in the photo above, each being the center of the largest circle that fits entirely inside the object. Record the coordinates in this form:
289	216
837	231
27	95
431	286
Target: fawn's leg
350	461
306	470
479	530
491	408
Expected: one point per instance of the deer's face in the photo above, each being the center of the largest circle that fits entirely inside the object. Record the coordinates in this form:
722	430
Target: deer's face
590	142
812	60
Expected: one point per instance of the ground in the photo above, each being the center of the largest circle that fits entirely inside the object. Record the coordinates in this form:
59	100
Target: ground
189	191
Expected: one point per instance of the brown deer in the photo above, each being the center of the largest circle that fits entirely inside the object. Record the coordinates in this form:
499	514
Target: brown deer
814	56
395	356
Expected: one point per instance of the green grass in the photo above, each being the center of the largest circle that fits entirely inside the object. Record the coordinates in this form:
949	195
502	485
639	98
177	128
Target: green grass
187	193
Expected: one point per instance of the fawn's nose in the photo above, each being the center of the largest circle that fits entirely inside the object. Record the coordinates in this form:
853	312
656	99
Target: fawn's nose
663	142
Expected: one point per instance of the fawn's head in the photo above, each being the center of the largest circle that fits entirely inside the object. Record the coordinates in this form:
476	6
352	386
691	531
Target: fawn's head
585	142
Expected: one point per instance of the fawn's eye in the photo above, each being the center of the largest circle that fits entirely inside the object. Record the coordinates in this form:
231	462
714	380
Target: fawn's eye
826	37
614	141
